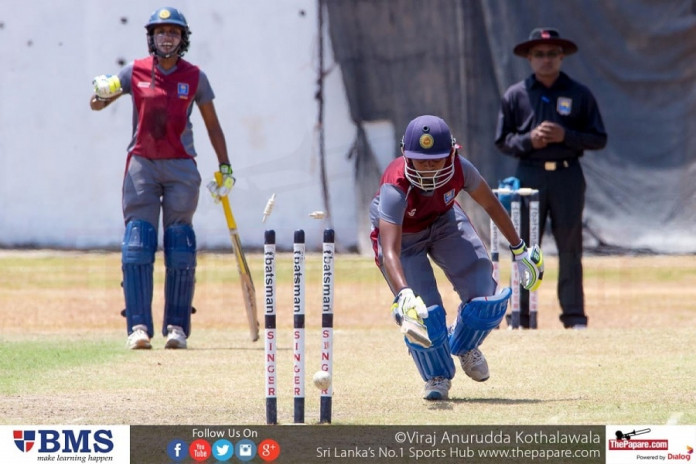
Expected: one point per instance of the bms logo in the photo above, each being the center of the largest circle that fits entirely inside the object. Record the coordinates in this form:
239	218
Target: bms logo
65	441
24	439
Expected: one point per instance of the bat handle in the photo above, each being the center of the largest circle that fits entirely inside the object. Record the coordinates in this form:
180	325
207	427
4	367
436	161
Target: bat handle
229	217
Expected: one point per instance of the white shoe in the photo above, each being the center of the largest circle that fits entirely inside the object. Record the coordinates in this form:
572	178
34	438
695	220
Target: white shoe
176	338
437	389
475	365
138	339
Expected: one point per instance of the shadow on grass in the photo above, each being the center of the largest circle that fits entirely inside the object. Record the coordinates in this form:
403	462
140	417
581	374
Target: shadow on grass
233	348
448	404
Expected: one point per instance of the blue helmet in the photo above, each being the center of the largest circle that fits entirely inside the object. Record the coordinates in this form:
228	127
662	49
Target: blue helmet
428	138
168	15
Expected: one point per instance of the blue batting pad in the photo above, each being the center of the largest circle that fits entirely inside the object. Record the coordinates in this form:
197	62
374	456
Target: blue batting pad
476	319
137	263
435	361
180	262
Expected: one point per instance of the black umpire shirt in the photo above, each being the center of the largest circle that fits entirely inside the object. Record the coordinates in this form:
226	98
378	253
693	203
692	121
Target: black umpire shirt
528	103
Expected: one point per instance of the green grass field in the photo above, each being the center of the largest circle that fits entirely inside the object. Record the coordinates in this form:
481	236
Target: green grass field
63	356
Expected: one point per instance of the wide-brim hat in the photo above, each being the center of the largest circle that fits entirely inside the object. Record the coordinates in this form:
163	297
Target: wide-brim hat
545	35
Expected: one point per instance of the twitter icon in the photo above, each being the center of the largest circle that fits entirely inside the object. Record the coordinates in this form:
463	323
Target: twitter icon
223	450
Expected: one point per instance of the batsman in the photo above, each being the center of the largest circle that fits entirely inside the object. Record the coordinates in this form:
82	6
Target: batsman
161	175
416	220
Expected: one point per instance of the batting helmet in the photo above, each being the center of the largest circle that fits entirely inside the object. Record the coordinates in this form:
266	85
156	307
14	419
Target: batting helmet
428	138
167	15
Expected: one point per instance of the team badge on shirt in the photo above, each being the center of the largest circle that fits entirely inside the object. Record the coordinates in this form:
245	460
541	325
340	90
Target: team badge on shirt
564	105
449	196
182	90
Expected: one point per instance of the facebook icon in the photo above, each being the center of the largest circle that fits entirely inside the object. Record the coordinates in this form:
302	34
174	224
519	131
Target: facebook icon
176	449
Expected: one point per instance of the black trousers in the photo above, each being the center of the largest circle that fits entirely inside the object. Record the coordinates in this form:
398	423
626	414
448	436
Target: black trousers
562	200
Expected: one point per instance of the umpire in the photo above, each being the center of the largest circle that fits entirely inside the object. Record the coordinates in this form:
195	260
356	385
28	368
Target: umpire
547	121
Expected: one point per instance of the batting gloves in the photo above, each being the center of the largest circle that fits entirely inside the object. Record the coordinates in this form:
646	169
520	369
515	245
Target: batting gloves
530	265
107	86
409	311
221	190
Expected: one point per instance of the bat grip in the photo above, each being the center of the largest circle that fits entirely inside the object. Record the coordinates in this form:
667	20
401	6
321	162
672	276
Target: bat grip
231	223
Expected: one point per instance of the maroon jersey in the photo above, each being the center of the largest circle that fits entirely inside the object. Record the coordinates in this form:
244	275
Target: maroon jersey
162	109
423	208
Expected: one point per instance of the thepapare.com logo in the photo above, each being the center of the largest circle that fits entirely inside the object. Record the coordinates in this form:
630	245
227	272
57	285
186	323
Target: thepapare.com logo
86	441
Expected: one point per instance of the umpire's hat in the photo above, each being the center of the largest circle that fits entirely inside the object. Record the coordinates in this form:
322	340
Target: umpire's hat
545	35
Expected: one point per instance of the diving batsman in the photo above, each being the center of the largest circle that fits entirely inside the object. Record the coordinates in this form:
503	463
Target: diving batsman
417	221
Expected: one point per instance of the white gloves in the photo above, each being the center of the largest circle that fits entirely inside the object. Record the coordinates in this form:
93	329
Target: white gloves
107	86
404	302
530	264
221	190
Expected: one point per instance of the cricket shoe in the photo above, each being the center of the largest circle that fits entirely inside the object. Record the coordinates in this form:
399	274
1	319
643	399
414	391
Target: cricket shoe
414	329
437	389
138	339
475	365
176	338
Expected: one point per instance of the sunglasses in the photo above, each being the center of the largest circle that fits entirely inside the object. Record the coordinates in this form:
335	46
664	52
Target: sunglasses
553	54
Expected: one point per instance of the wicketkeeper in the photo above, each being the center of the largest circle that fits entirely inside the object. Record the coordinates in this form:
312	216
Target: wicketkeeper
161	174
416	220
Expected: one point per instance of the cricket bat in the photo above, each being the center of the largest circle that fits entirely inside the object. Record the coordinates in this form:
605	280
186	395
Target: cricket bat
244	273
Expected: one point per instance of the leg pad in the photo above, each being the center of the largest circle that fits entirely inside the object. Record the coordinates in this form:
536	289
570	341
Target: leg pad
180	262
476	319
137	263
436	360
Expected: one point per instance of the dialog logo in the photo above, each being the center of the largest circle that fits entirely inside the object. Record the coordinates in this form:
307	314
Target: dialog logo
223	450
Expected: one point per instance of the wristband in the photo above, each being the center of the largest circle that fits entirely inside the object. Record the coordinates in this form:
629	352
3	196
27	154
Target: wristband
518	249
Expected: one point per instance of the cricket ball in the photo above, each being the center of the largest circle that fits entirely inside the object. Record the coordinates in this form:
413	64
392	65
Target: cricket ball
322	380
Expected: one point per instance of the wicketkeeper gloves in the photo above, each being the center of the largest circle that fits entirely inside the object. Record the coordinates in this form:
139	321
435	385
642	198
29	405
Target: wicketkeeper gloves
221	190
107	86
530	264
